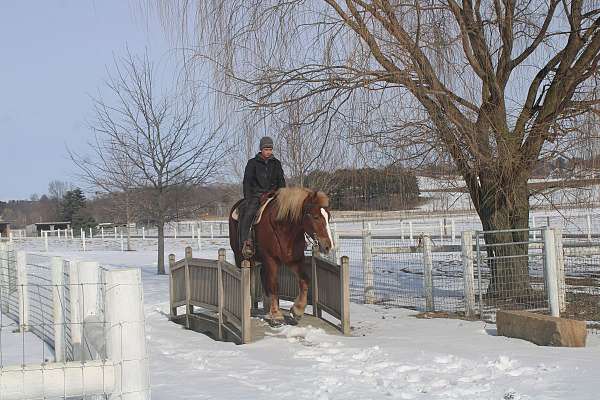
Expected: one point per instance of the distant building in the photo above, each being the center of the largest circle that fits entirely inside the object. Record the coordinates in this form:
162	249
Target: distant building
4	228
51	226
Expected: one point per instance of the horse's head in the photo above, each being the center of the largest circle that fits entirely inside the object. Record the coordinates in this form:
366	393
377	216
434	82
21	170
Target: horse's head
315	220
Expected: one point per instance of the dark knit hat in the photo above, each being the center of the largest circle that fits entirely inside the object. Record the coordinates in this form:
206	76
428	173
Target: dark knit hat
266	141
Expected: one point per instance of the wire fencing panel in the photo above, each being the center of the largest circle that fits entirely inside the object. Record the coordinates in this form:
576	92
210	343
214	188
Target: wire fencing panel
397	276
39	291
582	283
510	271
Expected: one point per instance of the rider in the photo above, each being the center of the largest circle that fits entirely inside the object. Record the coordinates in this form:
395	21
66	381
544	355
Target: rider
263	174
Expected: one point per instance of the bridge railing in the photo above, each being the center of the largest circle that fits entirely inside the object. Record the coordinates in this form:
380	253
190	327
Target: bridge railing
217	296
219	290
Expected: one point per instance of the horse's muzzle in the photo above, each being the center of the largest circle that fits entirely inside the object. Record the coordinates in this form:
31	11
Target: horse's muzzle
325	246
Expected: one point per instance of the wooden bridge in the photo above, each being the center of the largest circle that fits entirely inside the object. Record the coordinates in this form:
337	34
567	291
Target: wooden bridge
220	299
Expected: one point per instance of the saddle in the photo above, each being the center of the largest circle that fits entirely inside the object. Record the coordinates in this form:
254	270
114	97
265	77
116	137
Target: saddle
265	199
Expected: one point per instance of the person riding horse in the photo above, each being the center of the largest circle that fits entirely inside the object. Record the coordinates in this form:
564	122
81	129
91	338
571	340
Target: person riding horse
263	174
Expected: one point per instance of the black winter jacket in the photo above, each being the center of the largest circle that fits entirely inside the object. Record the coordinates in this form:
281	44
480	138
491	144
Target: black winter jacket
262	176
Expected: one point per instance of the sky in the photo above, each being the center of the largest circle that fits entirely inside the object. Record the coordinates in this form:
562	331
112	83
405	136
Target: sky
54	56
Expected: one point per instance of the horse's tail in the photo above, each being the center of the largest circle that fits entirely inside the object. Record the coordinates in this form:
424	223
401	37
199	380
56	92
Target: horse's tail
233	235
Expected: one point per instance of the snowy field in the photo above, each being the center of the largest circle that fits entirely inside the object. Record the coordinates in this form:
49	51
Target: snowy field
391	354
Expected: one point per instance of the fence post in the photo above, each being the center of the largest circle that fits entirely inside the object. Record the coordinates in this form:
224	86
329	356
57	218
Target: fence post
550	271
76	321
534	232
315	281
143	233
115	232
126	338
83	239
22	291
46	241
453	230
88	280
221	299
91	233
468	275
410	230
441	230
246	303
368	267
102	232
589	227
58	308
212	235
560	269
122	243
345	294
199	238
428	273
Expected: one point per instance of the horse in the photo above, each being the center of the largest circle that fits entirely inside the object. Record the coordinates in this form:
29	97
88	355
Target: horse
280	239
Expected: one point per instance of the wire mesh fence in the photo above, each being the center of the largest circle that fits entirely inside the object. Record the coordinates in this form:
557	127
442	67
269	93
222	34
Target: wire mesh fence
507	270
70	330
510	271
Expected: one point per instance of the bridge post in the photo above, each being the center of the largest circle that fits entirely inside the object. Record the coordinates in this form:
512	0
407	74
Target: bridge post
173	310
315	282
189	309
246	303
221	299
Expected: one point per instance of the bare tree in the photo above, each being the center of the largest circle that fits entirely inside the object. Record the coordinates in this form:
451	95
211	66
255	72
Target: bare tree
494	84
109	171
305	148
153	138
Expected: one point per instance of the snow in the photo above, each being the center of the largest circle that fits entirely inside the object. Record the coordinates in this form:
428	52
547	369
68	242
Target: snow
391	354
17	348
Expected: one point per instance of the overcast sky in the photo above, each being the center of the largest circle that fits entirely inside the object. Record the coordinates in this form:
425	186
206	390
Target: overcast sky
54	55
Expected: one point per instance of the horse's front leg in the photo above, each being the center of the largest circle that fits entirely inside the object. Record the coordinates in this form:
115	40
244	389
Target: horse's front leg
297	310
271	282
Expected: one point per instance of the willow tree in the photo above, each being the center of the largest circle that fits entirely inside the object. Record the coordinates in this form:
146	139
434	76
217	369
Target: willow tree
495	84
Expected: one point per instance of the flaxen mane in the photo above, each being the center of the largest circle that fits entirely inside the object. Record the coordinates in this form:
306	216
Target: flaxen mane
290	201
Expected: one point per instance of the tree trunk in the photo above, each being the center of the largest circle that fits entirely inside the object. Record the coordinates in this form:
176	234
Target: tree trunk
161	245
503	207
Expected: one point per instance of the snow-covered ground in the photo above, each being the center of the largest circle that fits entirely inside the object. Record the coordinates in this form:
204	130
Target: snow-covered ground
17	348
391	354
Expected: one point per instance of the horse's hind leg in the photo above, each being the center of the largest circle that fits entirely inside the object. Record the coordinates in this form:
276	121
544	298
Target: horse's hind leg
297	310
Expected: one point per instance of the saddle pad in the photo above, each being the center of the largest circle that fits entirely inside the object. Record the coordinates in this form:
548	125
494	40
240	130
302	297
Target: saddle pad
235	215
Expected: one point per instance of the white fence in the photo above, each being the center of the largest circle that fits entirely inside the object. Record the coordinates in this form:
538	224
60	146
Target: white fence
70	329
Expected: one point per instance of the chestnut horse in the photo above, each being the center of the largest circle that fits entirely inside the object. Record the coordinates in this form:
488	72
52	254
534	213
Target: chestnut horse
279	239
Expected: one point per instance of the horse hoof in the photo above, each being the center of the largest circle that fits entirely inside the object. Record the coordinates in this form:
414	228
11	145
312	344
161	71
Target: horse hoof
295	316
275	323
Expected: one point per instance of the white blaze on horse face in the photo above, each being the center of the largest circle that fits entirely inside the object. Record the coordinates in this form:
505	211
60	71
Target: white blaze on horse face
326	216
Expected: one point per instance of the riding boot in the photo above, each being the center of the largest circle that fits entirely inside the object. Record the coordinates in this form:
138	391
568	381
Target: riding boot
246	219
